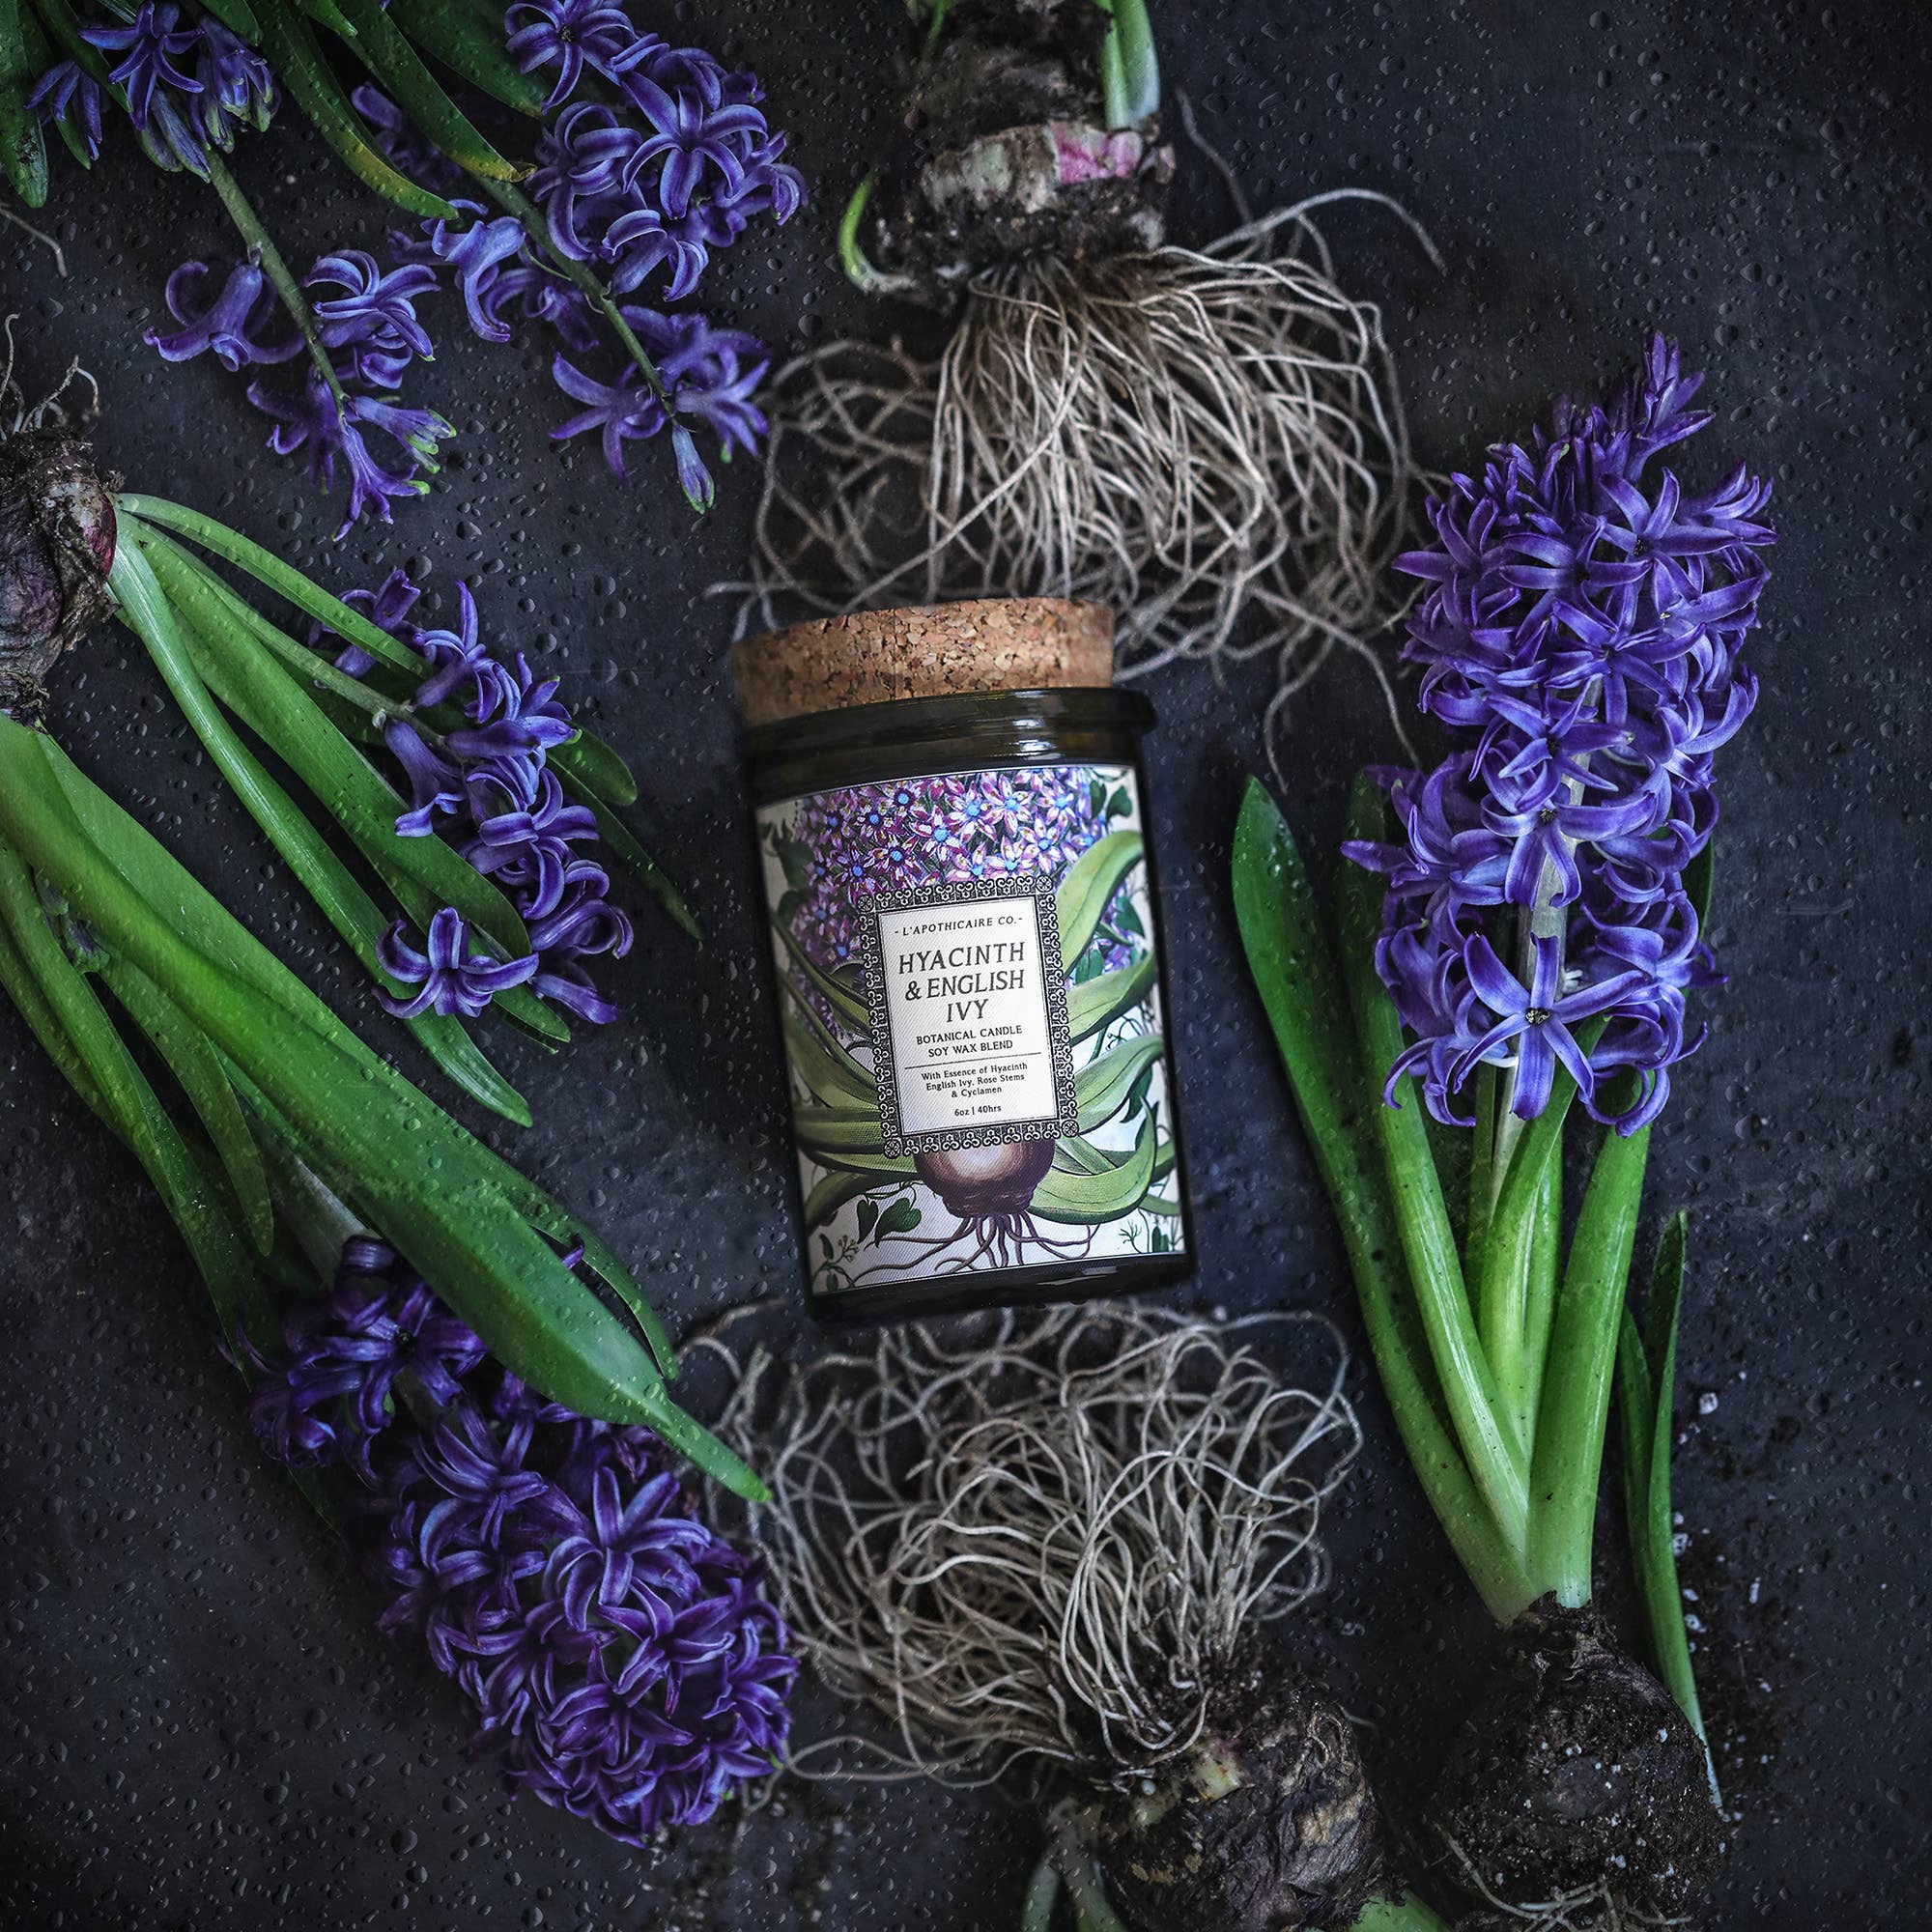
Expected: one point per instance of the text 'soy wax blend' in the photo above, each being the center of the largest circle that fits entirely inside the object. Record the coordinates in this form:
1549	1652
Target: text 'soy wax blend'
952	834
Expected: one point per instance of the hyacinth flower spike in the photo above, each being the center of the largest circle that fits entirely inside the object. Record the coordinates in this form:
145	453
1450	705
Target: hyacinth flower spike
1521	947
653	185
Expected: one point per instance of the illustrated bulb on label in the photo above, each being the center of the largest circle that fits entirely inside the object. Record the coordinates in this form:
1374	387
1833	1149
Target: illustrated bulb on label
978	1181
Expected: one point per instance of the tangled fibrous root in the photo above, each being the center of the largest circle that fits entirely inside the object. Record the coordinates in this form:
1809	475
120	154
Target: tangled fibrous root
1212	440
1590	1908
1040	1540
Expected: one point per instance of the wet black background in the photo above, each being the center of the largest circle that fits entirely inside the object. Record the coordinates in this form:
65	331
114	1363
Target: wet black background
197	1726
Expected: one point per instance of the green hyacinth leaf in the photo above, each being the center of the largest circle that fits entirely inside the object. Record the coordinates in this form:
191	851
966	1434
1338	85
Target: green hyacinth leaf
23	152
288	43
1094	1004
1103	1087
127	1103
383	50
431	1188
588	762
470	46
197	1068
1090	1200
1089	887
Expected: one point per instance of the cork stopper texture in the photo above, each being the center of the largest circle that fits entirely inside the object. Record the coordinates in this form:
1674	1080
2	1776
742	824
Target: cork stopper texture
936	650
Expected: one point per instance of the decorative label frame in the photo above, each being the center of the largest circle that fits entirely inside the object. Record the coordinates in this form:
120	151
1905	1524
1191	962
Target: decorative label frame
1044	894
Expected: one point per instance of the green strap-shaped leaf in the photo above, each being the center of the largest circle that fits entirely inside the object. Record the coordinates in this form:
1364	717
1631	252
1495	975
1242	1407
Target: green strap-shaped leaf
841	1136
587	764
1101	1087
435	1191
267	569
860	1084
591	771
632	857
357	919
63	29
1293	960
197	1066
128	1103
471	46
1089	887
1646	1381
290	45
24	154
1571	1417
382	48
842	1001
18	983
834	1078
1076	1154
326	13
238	16
272	704
1088	1200
1094	1004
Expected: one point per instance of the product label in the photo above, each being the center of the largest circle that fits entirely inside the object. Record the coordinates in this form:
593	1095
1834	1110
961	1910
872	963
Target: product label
969	972
965	989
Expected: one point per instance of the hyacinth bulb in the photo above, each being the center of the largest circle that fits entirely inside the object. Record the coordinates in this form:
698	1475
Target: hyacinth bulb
56	545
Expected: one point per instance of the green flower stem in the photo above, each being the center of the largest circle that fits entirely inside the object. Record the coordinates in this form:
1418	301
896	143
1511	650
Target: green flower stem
1546	1265
1482	1195
1576	1397
1496	1455
1508	1258
262	250
514	201
1300	988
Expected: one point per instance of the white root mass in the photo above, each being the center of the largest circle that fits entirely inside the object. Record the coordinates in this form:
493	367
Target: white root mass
1212	440
1033	1539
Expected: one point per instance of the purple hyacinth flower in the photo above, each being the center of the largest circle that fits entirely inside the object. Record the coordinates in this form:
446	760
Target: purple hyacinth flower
478	254
159	84
237	90
311	420
1582	638
245	304
373	316
448	977
571	35
693	141
68	95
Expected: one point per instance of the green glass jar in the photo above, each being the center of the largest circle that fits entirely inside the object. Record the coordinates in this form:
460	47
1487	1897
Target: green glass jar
964	916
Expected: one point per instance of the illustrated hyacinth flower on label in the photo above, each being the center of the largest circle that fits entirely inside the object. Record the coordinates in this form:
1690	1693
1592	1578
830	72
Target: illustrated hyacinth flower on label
649	161
617	1657
1581	640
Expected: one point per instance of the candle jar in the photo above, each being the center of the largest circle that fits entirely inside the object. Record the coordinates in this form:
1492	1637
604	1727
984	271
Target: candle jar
954	840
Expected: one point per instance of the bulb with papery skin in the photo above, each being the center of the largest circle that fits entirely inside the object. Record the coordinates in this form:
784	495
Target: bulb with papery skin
975	1183
57	533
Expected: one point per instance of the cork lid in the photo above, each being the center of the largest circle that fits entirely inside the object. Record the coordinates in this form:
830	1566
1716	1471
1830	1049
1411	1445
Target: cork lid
937	650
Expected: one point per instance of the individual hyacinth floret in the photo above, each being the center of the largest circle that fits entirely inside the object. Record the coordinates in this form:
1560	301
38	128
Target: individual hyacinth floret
618	1657
1582	641
485	783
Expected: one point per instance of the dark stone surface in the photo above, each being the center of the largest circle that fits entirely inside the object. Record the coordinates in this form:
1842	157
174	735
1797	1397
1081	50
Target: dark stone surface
198	1727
